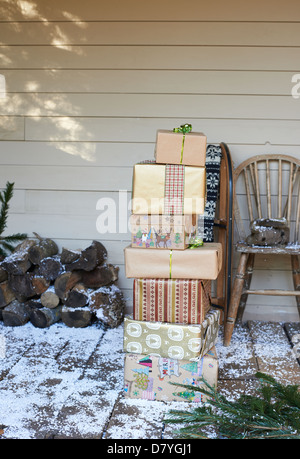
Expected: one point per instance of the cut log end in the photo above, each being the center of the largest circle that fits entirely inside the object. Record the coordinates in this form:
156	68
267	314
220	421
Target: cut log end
76	318
15	314
44	317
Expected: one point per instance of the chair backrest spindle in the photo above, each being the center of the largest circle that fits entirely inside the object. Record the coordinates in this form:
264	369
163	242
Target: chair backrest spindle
257	190
248	194
268	189
267	178
279	188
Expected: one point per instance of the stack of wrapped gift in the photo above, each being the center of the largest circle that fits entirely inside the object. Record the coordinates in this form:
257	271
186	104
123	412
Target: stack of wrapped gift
171	335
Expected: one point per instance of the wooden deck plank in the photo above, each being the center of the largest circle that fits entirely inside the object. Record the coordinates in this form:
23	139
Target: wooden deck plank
237	361
273	352
86	413
136	419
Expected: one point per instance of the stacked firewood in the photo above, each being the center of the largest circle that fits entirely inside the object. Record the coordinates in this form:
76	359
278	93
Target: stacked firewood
41	285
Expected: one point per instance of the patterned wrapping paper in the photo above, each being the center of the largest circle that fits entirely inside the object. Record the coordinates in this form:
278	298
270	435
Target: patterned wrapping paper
184	301
168	149
168	189
212	165
149	376
175	341
162	231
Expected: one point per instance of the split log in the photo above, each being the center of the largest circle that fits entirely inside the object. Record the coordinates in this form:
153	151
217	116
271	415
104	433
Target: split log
49	299
18	262
3	274
76	317
109	305
50	268
27	285
15	314
33	303
22	285
100	276
64	283
89	258
39	285
77	297
68	256
44	317
45	247
6	294
268	232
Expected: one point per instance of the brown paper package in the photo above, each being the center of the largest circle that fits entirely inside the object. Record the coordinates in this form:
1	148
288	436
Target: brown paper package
169	145
204	262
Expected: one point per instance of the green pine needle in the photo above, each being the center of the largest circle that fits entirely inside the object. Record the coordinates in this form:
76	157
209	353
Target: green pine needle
273	413
6	242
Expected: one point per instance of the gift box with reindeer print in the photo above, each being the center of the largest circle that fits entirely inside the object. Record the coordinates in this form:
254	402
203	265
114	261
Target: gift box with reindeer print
162	231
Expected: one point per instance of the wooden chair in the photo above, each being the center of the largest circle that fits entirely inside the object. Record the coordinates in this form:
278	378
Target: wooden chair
268	187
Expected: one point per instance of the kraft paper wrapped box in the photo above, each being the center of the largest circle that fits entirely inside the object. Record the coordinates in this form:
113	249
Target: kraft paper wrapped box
149	377
179	148
162	231
168	189
171	300
200	263
174	341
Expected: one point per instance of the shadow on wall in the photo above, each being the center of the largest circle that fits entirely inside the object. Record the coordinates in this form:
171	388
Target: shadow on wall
15	107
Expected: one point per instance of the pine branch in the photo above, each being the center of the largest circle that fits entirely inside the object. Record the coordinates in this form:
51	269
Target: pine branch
274	413
5	197
14	237
6	242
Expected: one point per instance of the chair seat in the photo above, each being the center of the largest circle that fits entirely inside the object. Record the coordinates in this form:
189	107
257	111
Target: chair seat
292	249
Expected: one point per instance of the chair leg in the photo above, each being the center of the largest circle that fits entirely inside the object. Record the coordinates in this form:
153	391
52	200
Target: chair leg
235	298
296	277
248	277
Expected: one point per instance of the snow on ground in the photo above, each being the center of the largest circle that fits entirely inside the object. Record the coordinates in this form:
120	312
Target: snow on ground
67	380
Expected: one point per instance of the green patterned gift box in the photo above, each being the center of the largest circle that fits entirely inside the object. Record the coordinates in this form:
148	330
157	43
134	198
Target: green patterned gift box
175	341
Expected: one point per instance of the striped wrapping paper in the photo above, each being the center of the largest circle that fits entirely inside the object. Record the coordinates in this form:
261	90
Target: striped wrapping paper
185	301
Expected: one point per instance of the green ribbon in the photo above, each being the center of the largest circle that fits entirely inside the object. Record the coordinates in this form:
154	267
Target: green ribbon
184	128
170	264
196	242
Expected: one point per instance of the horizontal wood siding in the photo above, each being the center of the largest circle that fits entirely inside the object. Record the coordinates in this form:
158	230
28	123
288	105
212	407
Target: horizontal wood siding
89	84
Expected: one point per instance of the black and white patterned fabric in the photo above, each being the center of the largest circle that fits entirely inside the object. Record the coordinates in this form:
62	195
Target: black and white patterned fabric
206	221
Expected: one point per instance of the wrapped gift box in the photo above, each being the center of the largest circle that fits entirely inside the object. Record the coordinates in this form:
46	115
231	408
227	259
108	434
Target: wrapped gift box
162	231
184	301
171	340
178	148
200	263
168	189
149	377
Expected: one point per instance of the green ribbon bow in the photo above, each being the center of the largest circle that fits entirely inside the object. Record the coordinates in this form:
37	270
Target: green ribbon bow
196	242
184	128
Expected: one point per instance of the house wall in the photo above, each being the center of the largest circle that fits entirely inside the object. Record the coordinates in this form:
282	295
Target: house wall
89	83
